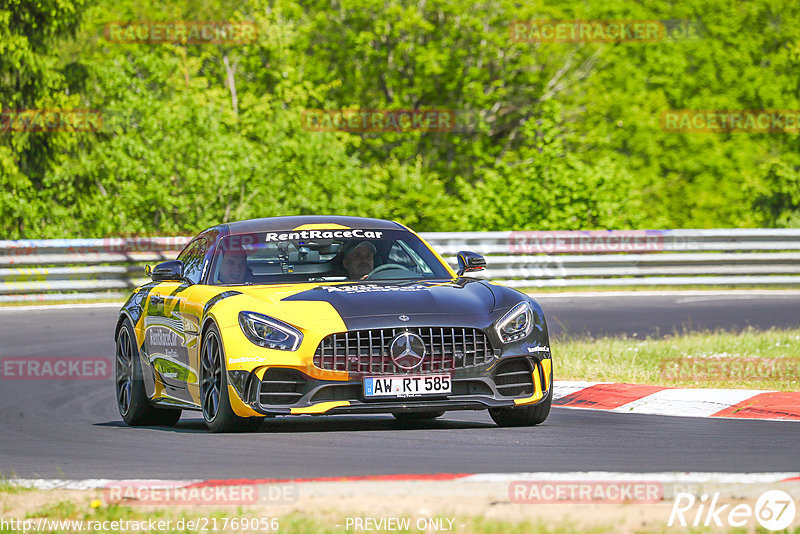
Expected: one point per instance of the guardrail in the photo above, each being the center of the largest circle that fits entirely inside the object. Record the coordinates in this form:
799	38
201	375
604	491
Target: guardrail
62	269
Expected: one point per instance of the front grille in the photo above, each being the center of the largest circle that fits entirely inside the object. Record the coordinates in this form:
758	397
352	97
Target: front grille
514	377
281	386
367	351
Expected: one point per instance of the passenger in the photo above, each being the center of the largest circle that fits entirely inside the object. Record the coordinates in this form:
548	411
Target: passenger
233	268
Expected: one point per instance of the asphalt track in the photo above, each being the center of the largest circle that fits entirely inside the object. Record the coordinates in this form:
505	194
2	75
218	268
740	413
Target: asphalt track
71	429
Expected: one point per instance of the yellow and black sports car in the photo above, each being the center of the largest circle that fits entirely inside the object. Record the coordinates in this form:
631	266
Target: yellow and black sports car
326	315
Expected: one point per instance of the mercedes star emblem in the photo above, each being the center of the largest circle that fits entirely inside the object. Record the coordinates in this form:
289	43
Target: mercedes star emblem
407	351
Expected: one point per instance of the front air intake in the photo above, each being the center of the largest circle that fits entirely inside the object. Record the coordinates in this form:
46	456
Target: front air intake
281	386
514	377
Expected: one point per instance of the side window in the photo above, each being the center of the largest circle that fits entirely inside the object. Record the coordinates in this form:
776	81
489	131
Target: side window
192	258
398	255
404	255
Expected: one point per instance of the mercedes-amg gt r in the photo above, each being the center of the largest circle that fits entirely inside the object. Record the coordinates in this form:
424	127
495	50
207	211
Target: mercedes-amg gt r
326	315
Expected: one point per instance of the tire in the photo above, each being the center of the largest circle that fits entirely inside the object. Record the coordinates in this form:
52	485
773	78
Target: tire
217	411
132	401
523	415
411	417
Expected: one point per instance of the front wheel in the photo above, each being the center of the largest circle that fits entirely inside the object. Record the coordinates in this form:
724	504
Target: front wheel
217	411
523	415
132	401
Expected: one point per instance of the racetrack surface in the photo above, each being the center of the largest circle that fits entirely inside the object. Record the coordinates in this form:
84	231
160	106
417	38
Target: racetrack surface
71	429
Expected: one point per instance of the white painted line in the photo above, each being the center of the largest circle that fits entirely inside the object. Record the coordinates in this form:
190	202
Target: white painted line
716	298
53	484
94	483
687	402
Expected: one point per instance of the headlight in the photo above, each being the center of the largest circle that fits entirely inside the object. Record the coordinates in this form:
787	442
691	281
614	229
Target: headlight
516	324
268	332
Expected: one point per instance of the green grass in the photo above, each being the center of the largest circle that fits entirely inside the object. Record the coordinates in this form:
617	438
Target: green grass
329	521
7	487
748	360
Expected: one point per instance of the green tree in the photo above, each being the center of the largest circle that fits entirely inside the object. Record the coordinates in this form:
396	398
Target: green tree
32	76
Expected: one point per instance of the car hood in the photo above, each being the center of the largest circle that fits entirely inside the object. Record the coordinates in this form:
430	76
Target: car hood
335	307
354	300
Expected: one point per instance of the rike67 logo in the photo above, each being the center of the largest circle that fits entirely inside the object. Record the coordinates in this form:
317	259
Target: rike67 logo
774	510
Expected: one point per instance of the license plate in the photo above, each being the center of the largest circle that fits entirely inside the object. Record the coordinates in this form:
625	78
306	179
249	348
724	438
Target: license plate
406	386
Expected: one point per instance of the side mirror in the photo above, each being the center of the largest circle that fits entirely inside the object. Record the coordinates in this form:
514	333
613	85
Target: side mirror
169	271
469	261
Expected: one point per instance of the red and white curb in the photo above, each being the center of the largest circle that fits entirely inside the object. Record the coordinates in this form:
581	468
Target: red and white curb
664	477
659	400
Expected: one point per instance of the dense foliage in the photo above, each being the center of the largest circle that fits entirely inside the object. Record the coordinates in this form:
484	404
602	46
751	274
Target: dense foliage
548	135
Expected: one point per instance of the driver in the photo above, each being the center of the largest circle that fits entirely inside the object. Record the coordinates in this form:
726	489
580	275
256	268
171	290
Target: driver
359	260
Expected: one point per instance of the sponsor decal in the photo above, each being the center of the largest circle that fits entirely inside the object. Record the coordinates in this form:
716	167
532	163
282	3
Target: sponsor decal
169	368
56	368
323	234
535	491
539	349
373	288
162	337
244	359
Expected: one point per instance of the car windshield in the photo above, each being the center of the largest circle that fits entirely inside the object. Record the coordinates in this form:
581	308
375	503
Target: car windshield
323	256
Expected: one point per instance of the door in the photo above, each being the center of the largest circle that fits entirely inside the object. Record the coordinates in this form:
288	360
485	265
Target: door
170	331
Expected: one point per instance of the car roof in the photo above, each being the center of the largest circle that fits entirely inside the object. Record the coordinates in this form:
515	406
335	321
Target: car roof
289	223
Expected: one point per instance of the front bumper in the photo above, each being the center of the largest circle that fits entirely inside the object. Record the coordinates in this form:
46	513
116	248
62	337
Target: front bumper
506	382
